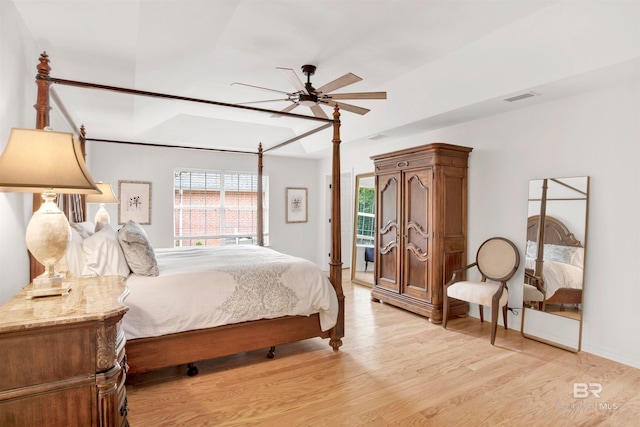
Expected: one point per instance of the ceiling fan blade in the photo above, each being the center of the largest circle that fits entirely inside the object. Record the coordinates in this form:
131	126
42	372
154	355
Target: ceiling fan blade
293	78
348	107
286	110
289	108
260	102
259	87
318	111
358	95
343	81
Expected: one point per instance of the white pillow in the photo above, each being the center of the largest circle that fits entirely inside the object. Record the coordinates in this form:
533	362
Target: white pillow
85	229
72	264
578	258
532	249
103	254
138	250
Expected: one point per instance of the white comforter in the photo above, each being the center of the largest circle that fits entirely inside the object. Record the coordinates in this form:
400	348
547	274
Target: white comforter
203	287
558	275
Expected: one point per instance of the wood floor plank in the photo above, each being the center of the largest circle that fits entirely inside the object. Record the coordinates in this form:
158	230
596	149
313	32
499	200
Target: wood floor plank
394	369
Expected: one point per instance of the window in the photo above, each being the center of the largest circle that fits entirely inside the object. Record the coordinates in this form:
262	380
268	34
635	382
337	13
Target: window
217	208
365	227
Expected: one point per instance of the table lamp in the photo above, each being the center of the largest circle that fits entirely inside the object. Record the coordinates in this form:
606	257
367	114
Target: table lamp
107	196
47	162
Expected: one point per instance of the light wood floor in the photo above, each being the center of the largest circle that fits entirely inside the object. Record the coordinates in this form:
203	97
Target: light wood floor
394	369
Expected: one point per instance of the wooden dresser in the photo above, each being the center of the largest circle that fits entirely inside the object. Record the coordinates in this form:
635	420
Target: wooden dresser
62	358
421	226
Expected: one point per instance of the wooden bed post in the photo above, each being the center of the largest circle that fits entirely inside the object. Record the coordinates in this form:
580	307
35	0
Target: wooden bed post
335	267
42	80
260	224
78	202
541	230
42	121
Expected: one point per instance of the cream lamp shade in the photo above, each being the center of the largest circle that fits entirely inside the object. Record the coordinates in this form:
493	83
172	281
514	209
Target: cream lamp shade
107	196
50	162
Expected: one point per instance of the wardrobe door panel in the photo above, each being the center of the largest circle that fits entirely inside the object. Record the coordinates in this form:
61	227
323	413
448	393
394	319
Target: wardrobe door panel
417	238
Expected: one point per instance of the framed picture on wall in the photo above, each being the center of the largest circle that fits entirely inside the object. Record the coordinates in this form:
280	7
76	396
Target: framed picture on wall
296	199
135	201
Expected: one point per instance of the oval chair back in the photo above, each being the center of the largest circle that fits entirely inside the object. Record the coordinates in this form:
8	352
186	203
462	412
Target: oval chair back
498	259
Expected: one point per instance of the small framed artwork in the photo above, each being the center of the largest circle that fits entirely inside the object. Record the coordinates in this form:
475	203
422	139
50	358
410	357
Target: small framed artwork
296	205
135	201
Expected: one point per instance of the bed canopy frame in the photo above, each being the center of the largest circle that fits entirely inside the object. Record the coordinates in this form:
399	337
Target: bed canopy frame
176	349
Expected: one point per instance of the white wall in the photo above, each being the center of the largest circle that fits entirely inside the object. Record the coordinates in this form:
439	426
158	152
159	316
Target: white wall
112	162
595	134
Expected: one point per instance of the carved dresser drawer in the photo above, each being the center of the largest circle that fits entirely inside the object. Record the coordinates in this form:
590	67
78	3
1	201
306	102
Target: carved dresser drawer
63	357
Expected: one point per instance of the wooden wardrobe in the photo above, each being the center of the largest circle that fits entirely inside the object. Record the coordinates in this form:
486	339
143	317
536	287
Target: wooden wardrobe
421	223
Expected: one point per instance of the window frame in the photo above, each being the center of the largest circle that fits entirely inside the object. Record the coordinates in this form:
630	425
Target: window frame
223	238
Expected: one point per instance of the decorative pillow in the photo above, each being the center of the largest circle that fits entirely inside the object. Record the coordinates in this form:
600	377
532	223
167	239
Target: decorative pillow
559	253
138	250
72	264
103	254
85	229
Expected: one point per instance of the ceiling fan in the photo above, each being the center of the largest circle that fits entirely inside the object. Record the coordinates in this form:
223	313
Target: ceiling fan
308	96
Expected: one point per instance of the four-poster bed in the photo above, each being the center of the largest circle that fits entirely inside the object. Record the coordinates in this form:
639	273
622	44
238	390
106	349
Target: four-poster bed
145	354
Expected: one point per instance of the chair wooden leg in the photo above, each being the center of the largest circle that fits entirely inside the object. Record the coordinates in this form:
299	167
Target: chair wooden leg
445	309
504	316
494	322
481	308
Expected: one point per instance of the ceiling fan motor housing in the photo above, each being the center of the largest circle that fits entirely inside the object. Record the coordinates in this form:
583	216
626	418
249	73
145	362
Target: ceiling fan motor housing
308	100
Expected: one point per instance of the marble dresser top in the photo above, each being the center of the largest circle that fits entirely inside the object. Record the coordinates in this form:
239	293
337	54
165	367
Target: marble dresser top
90	298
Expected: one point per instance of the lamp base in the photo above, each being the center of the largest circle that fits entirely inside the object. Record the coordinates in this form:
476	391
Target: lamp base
48	235
51	289
102	215
45	281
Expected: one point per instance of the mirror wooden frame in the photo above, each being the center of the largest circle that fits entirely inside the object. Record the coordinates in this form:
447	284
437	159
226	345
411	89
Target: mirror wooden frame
539	324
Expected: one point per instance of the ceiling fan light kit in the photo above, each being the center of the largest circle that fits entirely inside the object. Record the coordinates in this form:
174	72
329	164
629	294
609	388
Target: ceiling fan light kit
307	96
308	100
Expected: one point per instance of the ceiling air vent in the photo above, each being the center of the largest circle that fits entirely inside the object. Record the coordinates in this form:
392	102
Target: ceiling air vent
521	96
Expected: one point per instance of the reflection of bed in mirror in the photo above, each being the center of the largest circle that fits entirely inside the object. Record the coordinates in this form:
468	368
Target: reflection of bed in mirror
554	275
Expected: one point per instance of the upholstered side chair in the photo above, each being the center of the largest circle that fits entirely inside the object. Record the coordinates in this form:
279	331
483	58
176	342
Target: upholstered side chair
497	260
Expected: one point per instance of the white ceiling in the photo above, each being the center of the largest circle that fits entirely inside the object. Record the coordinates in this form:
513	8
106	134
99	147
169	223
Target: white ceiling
441	62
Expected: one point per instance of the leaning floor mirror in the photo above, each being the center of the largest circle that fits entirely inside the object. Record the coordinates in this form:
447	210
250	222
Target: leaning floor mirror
363	230
554	265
